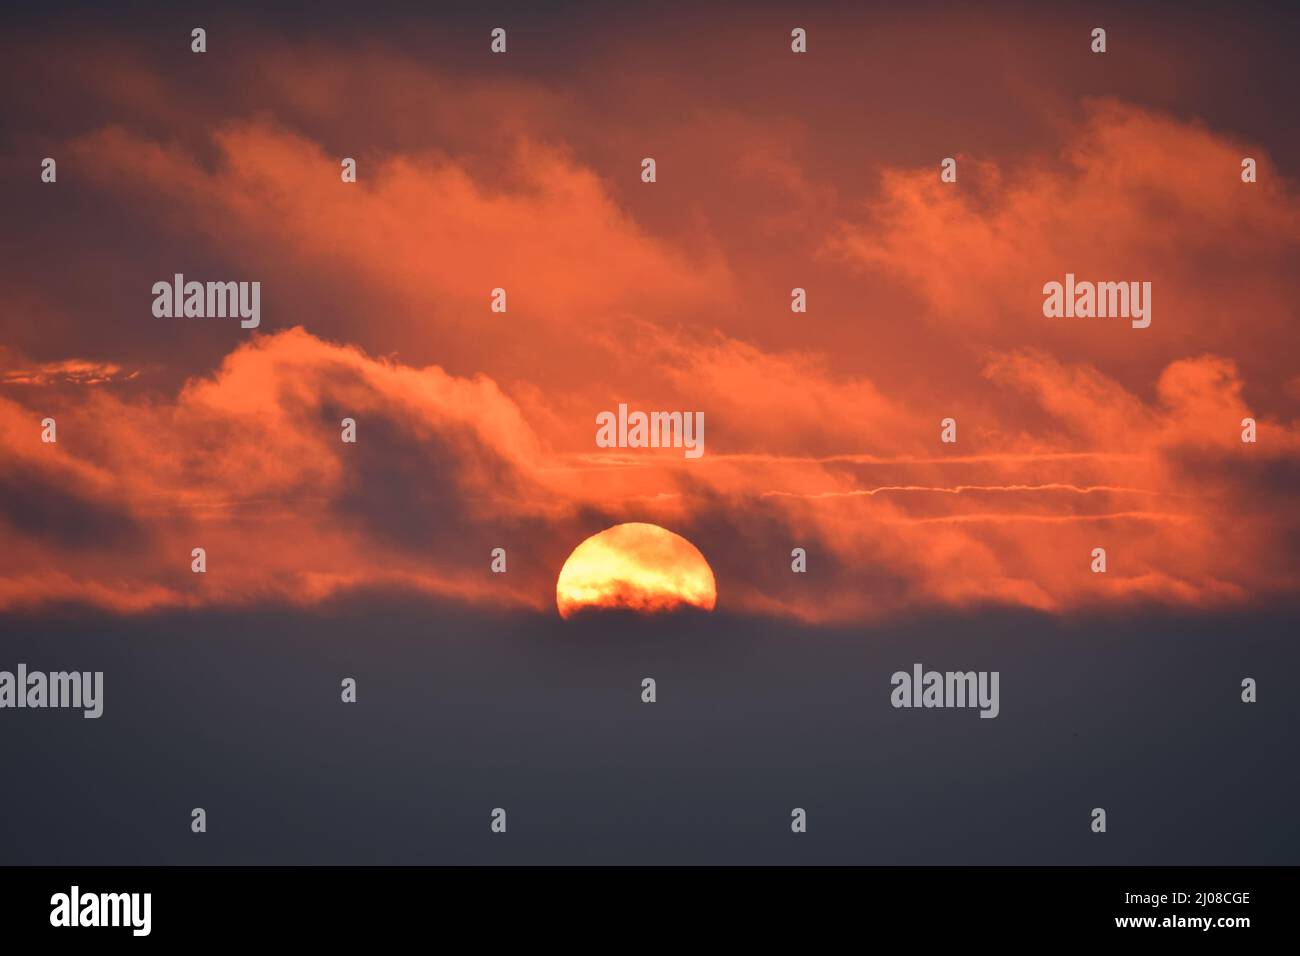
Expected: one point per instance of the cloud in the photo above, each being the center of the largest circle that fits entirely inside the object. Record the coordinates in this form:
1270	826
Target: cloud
248	463
13	371
1129	194
475	429
417	245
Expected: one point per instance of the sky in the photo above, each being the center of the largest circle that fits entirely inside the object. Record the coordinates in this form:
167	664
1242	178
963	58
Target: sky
476	429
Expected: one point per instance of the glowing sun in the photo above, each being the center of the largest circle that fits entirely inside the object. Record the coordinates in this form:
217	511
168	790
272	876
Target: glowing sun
642	567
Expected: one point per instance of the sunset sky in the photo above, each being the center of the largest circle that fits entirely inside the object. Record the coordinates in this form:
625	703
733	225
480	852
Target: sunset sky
522	171
475	430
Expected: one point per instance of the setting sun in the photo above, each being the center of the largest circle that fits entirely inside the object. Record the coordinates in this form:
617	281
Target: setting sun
641	567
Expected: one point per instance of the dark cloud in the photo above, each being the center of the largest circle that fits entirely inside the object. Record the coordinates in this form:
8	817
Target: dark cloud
459	712
35	503
434	489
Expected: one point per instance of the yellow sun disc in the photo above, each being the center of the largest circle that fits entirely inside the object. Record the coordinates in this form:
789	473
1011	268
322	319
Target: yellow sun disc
641	567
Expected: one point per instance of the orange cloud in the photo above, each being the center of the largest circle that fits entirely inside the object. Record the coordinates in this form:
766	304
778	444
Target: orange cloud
249	464
416	247
476	428
1129	195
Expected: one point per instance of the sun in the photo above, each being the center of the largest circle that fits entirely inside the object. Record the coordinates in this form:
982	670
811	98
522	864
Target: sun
641	567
